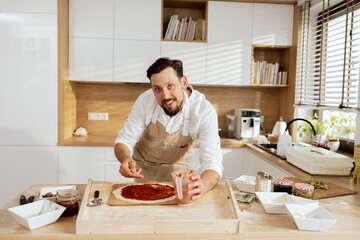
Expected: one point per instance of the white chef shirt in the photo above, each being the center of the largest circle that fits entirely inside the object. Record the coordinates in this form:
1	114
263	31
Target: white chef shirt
203	126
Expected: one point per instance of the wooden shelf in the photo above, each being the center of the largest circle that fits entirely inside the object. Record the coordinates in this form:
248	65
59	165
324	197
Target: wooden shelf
271	54
183	8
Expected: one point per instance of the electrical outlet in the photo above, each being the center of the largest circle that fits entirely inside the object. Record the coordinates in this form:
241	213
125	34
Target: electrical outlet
98	116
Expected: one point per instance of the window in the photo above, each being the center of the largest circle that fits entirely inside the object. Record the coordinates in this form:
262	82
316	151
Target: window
328	58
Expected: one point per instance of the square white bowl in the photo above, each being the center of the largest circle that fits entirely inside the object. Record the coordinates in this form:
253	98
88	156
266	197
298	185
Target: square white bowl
37	214
310	217
274	202
246	183
53	190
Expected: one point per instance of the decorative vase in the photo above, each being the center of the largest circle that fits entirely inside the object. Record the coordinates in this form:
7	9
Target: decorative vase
334	145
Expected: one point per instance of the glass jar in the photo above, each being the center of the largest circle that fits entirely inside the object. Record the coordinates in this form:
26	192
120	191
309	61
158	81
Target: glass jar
304	190
283	185
68	198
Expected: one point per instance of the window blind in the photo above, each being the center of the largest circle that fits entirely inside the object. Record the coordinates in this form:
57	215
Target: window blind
328	54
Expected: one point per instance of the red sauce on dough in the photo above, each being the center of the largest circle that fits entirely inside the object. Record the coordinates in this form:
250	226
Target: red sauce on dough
145	192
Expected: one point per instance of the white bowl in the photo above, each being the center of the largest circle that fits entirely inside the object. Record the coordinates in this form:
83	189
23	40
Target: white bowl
246	183
310	217
274	202
37	214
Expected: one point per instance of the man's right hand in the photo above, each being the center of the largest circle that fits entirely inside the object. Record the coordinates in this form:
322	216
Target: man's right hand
128	169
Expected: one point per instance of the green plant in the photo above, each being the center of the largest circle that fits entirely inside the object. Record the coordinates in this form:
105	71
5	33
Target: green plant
320	127
340	126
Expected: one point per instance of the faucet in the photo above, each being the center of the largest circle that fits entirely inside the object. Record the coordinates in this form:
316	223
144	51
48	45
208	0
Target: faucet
302	119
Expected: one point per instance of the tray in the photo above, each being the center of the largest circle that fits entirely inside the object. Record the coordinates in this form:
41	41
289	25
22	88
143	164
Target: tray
216	212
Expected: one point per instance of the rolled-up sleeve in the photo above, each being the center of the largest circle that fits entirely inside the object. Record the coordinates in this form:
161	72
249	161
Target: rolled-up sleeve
210	150
135	123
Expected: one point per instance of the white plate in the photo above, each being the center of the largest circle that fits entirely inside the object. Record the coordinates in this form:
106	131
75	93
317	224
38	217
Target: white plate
36	214
310	217
274	202
54	190
246	183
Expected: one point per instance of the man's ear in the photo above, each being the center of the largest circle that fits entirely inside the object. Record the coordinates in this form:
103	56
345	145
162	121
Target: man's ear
184	82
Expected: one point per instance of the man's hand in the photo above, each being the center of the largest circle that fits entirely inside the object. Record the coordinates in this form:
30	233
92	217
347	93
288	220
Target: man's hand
128	169
202	183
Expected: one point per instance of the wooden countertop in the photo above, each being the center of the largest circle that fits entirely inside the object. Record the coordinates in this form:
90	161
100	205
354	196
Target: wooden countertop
254	222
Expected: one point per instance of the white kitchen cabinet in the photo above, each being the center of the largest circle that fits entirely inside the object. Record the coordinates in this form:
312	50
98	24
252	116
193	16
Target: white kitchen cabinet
78	164
273	24
233	163
228	64
230	22
25	166
253	164
193	56
28	76
112	166
132	58
91	59
34	6
137	19
91	18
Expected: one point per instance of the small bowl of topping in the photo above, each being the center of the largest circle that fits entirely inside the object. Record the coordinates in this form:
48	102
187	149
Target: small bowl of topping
246	183
49	193
310	217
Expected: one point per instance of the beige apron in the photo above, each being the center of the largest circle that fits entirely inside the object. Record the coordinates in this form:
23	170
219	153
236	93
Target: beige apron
159	153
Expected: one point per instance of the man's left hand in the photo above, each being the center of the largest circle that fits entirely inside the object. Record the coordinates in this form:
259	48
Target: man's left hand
196	188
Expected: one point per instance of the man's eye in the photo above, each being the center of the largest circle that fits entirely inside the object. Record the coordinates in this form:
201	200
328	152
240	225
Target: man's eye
170	86
157	89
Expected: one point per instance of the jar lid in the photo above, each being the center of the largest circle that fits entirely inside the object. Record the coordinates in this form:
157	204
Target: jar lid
283	181
304	186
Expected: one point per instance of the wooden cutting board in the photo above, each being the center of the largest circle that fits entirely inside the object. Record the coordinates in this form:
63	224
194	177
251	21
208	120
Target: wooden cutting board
113	201
333	190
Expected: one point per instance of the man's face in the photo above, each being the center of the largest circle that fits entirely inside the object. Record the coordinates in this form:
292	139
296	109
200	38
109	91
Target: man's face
168	90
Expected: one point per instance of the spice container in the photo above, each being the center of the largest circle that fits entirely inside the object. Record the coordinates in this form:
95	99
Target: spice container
304	190
70	199
283	185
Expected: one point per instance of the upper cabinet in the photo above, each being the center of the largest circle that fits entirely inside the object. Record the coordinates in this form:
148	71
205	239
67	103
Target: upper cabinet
193	56
230	22
272	24
137	19
91	18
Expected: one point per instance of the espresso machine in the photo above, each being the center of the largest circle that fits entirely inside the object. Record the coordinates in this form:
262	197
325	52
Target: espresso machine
247	123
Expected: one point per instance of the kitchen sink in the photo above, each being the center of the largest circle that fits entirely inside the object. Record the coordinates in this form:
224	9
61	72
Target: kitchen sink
270	148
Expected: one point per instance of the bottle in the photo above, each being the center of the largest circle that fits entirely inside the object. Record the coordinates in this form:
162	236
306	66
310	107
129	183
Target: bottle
285	141
70	199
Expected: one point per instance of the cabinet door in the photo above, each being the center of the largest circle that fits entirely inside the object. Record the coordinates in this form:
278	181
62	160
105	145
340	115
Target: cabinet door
254	164
132	58
91	59
137	19
193	56
112	166
230	22
34	6
91	18
28	73
273	24
233	163
25	166
228	64
78	164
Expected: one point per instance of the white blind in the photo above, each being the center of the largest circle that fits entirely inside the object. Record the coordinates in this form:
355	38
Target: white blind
328	56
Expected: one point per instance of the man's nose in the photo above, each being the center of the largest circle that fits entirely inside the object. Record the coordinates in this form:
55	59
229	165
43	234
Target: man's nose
166	94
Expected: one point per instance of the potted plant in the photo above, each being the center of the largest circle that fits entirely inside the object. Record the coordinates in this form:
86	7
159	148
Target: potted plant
320	128
340	126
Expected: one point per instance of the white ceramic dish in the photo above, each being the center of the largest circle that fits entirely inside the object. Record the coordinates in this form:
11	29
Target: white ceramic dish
246	183
310	217
274	202
37	214
54	190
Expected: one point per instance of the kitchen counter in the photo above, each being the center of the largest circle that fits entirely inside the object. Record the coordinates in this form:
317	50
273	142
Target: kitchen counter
254	222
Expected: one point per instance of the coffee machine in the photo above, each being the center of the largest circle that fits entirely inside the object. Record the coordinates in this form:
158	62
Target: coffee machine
247	123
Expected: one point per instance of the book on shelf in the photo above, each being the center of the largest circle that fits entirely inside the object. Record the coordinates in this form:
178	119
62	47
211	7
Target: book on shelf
185	28
203	30
199	29
268	73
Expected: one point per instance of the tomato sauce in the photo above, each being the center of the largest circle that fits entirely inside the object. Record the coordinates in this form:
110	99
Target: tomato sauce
146	192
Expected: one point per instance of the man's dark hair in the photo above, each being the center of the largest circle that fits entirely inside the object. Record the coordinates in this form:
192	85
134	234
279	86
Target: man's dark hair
163	63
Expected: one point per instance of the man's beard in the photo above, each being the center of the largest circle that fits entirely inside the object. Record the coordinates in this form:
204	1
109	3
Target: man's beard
172	113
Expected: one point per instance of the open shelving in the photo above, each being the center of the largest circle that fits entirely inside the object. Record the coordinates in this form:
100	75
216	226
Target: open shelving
183	8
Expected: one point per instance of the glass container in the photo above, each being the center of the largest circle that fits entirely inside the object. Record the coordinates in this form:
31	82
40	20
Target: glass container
70	199
283	185
304	190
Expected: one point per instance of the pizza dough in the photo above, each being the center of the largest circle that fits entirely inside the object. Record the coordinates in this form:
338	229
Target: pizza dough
145	193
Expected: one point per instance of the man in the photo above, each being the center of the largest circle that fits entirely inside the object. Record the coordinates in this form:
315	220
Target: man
158	135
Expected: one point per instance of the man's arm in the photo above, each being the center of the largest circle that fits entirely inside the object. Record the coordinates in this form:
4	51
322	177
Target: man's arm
203	183
128	164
